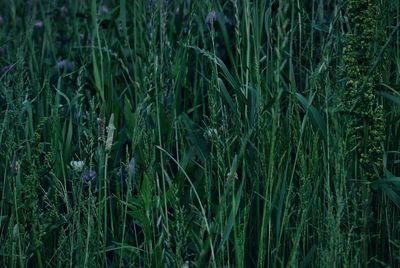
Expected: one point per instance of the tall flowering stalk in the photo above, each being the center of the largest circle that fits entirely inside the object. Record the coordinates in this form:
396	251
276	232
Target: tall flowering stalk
366	118
366	113
108	146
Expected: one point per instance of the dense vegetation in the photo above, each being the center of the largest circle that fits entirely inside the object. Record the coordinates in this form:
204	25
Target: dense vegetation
236	133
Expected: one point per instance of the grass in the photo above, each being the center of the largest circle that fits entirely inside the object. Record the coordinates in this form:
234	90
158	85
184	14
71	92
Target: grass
212	133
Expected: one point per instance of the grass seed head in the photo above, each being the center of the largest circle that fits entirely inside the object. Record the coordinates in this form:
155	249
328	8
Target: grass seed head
110	133
15	232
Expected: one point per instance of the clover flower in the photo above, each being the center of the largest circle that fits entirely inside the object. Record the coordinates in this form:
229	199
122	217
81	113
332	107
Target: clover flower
121	173
103	10
211	18
7	69
149	28
84	39
211	133
15	167
39	24
89	175
64	9
77	165
132	169
128	173
65	65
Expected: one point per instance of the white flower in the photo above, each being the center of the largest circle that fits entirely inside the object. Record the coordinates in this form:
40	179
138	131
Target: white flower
232	175
211	133
77	165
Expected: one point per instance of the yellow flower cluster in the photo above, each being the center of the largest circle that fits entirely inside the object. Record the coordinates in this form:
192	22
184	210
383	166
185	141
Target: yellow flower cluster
366	113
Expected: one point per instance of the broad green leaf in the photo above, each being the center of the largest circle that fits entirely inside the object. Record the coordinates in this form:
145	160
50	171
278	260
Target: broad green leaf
388	96
234	210
97	77
316	119
228	99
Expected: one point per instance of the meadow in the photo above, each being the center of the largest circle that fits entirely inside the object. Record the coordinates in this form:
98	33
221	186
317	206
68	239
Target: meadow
185	133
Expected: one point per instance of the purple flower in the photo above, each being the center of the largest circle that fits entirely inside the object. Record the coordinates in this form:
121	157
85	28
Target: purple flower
39	24
128	171
88	175
211	18
149	28
227	20
65	65
121	173
64	9
83	40
127	174
1	19
7	69
103	10
131	168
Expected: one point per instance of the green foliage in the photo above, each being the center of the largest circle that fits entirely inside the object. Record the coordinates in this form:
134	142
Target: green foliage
199	133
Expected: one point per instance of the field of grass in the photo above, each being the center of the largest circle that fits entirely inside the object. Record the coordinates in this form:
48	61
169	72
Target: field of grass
200	133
